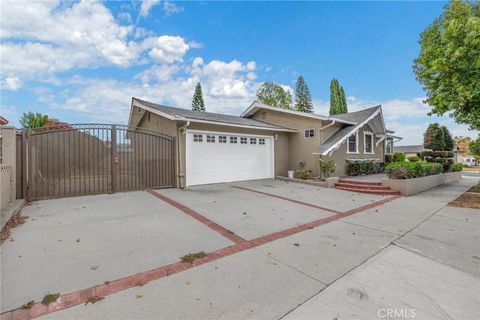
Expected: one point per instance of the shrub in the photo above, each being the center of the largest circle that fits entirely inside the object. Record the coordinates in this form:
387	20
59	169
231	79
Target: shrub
356	168
415	169
388	158
414	159
457	167
303	174
433	168
399	173
398	157
327	167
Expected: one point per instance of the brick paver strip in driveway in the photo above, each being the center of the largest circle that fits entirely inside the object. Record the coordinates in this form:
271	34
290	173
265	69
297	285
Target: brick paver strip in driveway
81	296
212	225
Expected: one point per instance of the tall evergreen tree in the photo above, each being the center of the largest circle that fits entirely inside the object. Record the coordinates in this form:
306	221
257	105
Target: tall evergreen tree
197	102
447	138
303	100
336	106
343	100
434	138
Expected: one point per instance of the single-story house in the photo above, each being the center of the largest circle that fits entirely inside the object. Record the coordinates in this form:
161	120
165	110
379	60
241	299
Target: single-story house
264	141
410	151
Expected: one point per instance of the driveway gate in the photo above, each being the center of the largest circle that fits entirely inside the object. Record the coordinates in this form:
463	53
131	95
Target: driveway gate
83	159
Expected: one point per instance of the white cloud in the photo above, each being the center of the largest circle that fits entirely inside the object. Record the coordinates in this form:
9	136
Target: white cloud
167	49
11	83
146	6
171	8
42	39
54	38
125	16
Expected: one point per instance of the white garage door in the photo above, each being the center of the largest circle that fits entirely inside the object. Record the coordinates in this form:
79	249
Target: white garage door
213	157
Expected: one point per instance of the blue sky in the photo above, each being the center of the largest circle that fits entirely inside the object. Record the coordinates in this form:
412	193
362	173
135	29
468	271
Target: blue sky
82	61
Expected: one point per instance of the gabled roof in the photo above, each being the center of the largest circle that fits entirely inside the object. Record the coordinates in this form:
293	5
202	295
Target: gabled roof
181	114
256	105
357	116
360	118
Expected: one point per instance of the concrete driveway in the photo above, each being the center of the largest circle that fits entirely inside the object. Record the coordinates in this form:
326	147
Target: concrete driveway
275	249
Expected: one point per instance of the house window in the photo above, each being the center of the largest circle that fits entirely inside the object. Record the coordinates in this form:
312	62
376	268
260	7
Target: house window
368	140
243	140
253	140
264	115
233	139
309	133
197	138
210	138
222	139
389	146
261	141
352	143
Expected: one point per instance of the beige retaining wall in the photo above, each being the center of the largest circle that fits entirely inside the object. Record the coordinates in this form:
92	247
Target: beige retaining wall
408	187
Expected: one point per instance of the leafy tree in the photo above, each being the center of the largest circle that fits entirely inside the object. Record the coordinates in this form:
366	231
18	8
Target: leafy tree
447	138
448	66
32	120
474	147
338	102
197	102
434	137
303	100
274	95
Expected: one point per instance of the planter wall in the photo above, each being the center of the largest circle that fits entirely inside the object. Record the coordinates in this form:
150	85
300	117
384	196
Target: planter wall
408	187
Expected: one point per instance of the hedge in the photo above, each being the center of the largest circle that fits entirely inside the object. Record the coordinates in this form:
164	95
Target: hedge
356	168
412	169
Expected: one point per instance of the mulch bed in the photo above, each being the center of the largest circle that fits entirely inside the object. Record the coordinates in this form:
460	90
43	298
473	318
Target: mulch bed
15	220
469	199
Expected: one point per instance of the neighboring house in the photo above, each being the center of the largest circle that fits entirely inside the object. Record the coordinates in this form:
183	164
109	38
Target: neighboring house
3	121
410	151
264	141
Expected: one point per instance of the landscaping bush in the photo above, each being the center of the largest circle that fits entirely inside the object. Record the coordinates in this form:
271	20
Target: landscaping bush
433	168
327	167
415	169
457	167
398	157
303	174
399	173
356	168
413	159
388	158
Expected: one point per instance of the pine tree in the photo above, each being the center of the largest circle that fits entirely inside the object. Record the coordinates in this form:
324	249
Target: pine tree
303	100
197	102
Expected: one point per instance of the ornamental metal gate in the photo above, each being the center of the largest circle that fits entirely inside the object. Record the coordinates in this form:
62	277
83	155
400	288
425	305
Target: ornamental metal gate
69	160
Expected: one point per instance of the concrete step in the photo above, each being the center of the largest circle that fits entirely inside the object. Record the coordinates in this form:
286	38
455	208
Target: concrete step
379	192
368	183
361	186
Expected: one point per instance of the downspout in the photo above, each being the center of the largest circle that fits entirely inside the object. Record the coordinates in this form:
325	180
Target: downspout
181	174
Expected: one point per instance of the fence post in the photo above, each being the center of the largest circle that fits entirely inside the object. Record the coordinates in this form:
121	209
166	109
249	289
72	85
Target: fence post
114	159
24	164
